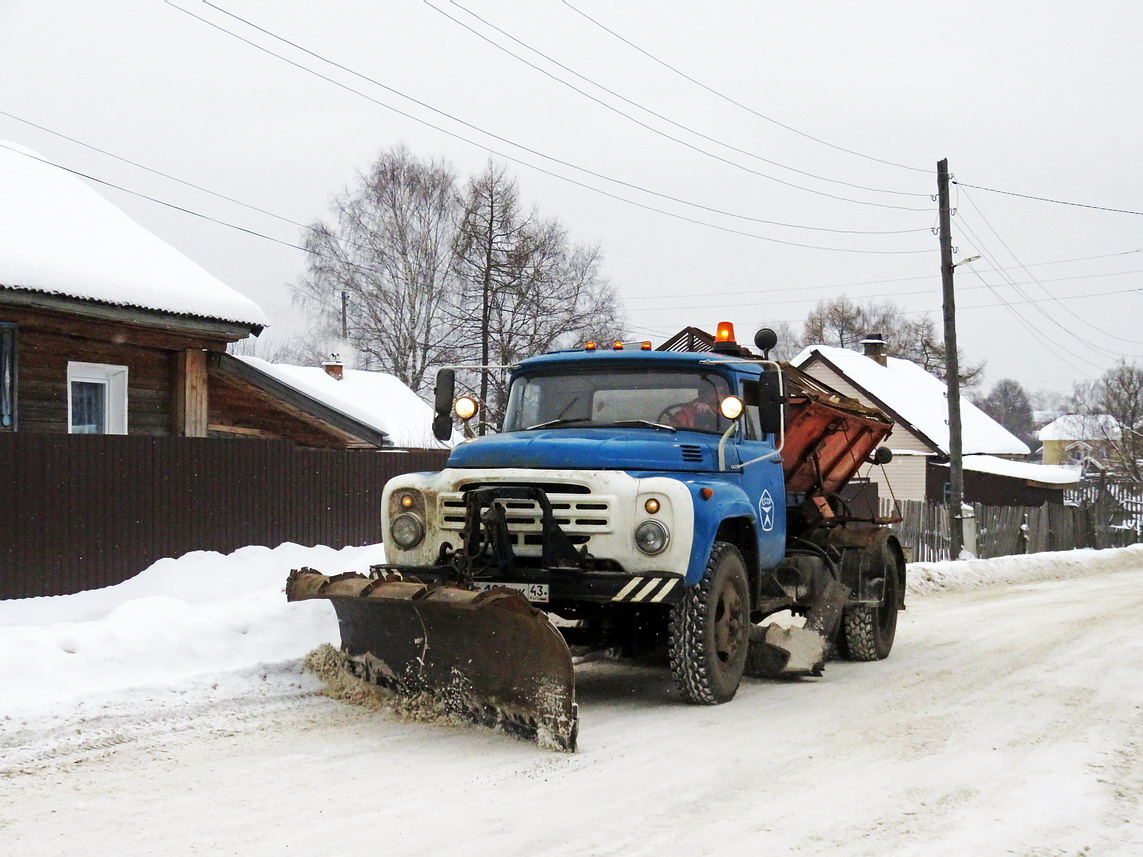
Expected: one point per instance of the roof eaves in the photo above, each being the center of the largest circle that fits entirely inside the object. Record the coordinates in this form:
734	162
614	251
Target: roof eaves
300	400
35	298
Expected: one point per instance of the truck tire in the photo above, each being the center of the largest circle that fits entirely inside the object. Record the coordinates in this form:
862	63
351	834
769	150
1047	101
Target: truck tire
710	630
867	630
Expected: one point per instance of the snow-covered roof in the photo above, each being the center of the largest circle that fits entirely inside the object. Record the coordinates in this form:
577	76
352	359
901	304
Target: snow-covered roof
919	399
1081	427
1049	474
60	237
377	399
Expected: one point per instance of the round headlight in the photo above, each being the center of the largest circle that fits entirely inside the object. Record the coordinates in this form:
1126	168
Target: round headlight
407	530
465	407
651	537
731	407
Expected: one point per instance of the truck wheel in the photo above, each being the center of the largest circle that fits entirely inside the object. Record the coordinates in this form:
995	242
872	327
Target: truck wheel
710	630
868	630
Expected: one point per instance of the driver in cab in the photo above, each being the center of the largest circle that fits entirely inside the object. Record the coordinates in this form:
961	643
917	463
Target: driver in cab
700	413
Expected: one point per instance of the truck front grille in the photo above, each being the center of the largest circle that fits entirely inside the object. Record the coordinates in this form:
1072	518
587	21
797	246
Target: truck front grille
579	515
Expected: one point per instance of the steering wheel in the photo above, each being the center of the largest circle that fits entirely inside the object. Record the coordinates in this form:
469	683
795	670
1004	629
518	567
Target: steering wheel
669	413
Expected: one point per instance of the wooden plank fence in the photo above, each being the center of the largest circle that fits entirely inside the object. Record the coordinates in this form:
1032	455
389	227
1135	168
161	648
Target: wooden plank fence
1008	530
83	511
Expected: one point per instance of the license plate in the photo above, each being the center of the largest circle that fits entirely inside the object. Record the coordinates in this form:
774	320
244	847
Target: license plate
532	591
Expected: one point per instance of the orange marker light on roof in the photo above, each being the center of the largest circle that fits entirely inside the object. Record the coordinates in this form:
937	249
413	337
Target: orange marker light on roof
618	346
725	332
590	346
646	346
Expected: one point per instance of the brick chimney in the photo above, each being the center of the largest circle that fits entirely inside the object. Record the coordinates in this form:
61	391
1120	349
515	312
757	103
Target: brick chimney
874	347
334	367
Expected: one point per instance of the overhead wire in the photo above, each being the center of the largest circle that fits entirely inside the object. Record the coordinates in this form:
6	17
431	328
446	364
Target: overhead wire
153	199
654	113
1053	201
1040	283
1009	281
738	104
529	150
1053	347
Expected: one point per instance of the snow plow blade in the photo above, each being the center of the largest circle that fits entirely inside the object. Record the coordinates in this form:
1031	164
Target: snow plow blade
487	656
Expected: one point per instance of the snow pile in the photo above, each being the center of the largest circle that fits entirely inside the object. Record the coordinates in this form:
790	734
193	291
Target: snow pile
962	575
204	613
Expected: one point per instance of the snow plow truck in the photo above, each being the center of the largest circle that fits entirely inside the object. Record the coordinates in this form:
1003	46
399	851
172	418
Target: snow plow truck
637	503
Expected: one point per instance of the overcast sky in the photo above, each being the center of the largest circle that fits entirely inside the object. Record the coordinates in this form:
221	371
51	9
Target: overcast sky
827	115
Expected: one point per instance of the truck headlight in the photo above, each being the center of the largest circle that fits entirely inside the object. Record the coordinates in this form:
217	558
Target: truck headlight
651	537
407	530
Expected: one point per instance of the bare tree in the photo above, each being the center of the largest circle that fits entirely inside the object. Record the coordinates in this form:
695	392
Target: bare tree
1009	405
1119	394
844	323
385	266
526	288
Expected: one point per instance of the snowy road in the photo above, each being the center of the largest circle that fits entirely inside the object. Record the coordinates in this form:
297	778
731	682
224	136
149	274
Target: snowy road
1008	721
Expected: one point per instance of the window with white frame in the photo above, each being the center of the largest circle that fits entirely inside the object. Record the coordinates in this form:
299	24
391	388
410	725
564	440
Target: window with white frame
96	398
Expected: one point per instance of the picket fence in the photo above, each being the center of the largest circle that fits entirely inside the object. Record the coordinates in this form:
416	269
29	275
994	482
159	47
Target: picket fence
1008	530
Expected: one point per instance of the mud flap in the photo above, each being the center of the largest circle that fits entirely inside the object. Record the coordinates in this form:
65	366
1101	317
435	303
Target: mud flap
779	652
488	656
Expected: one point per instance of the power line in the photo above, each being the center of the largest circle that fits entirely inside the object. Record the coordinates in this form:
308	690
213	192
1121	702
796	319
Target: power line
507	157
1027	300
1106	352
880	282
738	104
155	200
1038	282
1053	201
153	171
654	113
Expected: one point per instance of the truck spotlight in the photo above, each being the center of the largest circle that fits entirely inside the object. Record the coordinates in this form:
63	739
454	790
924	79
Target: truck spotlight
651	537
407	530
465	407
731	407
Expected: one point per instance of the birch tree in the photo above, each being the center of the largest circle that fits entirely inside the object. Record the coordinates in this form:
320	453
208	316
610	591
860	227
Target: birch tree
381	270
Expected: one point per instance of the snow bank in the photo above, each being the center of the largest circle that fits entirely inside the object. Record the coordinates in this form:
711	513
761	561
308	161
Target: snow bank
203	613
209	614
961	575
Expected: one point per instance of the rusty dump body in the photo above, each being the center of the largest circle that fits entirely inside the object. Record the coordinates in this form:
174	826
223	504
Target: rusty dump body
460	622
828	436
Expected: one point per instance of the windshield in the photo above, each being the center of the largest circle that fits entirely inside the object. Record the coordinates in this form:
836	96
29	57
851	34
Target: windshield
669	398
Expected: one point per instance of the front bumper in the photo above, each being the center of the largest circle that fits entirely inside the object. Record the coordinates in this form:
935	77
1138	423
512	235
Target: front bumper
555	586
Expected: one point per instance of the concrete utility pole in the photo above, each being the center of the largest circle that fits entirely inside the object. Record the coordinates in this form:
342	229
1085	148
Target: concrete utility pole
952	369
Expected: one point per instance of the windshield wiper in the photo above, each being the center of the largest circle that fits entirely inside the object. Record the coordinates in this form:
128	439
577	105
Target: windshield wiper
646	423
558	422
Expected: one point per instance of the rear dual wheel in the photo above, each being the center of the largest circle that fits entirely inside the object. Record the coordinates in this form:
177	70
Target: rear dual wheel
867	630
709	632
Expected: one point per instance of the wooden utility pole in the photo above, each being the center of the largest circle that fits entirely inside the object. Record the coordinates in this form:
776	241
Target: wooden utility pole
952	369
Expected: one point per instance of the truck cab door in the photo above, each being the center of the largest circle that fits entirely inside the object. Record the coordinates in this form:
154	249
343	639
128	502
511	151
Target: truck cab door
760	464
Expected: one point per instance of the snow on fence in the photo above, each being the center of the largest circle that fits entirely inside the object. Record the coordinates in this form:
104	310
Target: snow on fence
1010	530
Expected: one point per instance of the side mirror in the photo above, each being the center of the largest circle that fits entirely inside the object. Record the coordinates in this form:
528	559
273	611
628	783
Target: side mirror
766	393
443	395
882	455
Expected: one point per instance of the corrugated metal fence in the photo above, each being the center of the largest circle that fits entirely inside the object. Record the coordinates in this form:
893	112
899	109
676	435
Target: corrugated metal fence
1007	530
78	512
